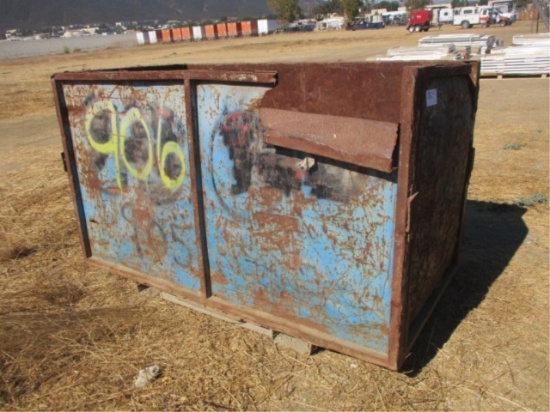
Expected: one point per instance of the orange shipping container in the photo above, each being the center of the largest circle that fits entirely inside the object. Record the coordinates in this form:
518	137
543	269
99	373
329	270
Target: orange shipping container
186	33
211	31
166	35
250	28
234	29
176	34
222	29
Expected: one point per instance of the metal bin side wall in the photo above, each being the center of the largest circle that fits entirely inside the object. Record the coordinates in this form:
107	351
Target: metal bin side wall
130	145
441	162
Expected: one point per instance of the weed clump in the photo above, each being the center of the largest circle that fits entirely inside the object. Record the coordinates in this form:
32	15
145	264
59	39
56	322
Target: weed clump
530	201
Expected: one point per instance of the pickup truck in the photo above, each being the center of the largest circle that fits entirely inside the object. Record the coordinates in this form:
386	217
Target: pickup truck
504	19
466	17
365	25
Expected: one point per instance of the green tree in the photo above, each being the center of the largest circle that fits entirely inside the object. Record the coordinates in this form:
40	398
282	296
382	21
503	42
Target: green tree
522	3
351	8
458	3
388	5
417	4
328	7
287	10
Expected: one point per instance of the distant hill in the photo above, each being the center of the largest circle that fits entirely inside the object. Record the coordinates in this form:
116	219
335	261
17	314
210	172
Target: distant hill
26	14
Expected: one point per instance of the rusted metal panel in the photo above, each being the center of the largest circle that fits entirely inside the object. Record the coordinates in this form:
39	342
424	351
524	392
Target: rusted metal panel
172	73
361	142
130	146
311	245
435	212
226	185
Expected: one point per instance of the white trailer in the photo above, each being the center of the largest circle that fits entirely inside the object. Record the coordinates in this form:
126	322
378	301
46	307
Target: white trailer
152	36
140	38
332	23
266	26
199	33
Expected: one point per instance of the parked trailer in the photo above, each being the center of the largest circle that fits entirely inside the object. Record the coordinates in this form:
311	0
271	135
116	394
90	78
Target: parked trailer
211	31
222	30
333	23
198	33
420	20
153	36
176	34
166	35
140	38
266	26
234	29
187	33
231	187
249	27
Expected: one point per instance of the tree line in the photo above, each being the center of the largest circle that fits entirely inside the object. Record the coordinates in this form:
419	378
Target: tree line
290	10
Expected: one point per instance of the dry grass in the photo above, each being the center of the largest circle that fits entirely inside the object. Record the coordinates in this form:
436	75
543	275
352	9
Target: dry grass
74	337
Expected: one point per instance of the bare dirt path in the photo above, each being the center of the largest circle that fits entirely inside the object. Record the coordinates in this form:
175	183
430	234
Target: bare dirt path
74	337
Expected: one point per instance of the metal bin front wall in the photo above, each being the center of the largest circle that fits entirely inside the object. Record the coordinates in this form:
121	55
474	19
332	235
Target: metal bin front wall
130	143
315	247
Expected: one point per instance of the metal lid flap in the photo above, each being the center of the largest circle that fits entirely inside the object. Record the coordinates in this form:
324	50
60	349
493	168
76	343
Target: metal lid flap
362	142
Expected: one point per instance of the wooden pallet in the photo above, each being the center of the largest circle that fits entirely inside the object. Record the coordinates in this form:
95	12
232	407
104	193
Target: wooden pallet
278	338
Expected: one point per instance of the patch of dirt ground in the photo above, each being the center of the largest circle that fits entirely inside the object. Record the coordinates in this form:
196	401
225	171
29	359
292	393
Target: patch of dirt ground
74	337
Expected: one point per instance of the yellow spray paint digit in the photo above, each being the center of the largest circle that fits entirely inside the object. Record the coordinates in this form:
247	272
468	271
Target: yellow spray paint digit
130	119
162	157
167	149
115	144
96	111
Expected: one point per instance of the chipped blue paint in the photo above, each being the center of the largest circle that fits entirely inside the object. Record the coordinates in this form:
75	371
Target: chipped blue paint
137	222
308	246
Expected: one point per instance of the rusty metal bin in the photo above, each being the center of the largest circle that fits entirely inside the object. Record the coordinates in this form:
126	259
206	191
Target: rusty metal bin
324	201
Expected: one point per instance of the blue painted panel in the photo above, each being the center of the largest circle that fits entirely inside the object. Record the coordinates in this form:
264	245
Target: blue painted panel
315	246
132	156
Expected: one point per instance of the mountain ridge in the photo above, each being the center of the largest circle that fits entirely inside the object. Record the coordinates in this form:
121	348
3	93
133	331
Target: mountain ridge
26	14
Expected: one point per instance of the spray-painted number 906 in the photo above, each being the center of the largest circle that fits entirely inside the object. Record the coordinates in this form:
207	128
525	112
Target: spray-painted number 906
130	142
